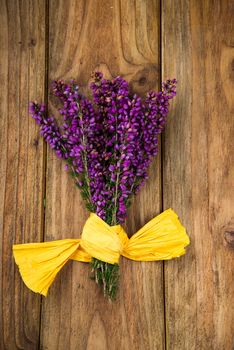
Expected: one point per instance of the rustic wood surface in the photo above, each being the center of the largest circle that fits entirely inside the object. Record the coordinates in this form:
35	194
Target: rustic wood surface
198	174
182	304
22	72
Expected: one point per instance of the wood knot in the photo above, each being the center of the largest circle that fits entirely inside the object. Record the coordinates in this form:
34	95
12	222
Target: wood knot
32	42
35	142
142	81
229	238
232	64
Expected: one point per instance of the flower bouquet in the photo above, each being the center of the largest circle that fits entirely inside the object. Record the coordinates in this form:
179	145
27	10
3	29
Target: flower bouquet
107	141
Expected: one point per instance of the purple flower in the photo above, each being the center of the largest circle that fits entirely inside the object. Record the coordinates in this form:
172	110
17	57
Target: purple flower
109	142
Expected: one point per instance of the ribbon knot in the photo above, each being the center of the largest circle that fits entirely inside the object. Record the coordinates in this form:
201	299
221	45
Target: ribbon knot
100	240
162	238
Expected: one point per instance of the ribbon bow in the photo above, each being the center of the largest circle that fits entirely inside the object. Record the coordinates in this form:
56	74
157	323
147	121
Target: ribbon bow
162	238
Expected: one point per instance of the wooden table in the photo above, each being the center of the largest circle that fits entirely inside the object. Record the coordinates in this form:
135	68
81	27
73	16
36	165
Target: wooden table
182	304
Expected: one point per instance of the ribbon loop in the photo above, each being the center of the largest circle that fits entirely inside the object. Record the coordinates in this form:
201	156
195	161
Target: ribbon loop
162	238
39	263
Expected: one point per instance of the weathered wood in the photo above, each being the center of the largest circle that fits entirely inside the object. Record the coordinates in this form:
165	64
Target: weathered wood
122	37
197	48
117	37
22	69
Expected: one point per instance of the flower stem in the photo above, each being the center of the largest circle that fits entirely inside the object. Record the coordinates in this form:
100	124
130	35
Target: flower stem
114	218
107	276
84	157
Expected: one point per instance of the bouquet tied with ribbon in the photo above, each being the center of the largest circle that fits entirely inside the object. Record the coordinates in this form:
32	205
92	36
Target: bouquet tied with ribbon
108	141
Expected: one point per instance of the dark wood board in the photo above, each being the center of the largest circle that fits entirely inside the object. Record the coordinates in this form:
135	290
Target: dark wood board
22	73
117	38
198	172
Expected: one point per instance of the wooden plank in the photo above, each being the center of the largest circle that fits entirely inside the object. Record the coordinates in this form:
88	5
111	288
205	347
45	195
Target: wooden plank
197	48
117	37
22	71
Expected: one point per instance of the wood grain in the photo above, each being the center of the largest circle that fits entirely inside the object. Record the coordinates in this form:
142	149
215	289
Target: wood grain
22	69
117	37
121	37
198	48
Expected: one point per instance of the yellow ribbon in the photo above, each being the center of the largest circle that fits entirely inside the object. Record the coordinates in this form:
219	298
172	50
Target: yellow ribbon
162	238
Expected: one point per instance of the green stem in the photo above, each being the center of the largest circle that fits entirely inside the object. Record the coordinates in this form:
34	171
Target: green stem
84	156
107	276
114	218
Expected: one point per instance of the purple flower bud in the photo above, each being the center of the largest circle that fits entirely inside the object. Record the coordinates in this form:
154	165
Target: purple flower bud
110	140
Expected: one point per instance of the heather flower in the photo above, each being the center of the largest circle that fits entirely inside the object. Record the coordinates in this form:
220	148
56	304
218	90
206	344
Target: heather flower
108	141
